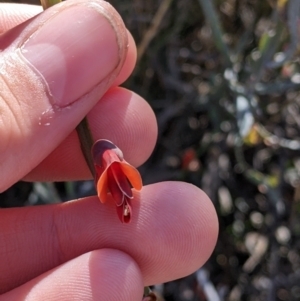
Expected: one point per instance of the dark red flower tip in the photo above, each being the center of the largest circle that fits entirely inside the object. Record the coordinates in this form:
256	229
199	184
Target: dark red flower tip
115	176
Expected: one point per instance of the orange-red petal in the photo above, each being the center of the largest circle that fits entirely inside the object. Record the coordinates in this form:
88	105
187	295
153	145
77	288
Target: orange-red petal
102	187
132	175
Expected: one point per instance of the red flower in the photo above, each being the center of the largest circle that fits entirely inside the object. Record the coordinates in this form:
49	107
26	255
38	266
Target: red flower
115	175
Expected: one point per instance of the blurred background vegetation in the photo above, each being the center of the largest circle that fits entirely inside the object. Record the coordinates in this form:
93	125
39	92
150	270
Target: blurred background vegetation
223	78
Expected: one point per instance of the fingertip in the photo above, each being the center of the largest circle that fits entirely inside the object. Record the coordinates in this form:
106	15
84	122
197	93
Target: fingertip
203	220
188	219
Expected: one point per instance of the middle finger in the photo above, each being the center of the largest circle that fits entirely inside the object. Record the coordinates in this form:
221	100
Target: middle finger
120	116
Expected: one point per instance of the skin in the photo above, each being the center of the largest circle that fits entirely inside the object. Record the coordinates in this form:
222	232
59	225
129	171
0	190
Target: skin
79	250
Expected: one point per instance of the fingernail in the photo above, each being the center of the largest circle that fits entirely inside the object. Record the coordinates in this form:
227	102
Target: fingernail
74	51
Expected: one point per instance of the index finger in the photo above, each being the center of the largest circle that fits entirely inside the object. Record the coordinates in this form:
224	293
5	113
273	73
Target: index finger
172	233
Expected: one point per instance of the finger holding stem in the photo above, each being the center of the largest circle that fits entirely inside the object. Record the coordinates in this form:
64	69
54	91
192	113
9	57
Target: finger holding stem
83	130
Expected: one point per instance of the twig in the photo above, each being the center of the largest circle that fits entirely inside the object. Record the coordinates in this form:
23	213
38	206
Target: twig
275	140
293	17
86	142
152	30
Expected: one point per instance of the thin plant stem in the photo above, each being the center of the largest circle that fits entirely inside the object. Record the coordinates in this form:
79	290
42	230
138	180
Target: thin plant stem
152	31
86	142
211	16
47	3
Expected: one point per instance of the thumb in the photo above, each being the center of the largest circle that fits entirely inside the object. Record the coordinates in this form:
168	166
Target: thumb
53	70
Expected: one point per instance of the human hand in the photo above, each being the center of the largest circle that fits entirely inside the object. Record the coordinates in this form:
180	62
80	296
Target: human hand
79	250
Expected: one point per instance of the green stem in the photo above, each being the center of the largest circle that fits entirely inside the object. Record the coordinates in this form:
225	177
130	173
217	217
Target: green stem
47	3
213	21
